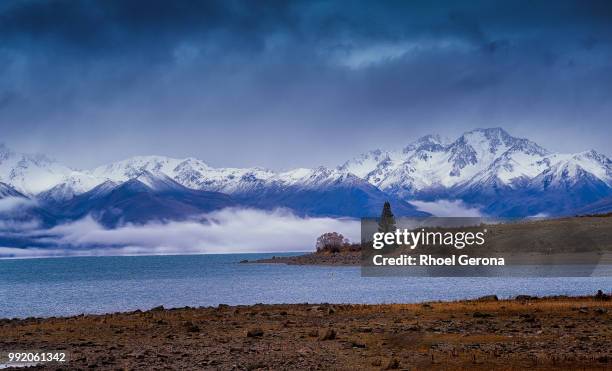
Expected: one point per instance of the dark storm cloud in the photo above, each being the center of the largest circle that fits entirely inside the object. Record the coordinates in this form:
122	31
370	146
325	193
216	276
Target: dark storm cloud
266	82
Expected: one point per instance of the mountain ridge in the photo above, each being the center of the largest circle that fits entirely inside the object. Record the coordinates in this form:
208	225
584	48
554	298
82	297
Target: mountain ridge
487	168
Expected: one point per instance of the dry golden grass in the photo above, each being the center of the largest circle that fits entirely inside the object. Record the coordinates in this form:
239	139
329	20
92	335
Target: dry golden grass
561	333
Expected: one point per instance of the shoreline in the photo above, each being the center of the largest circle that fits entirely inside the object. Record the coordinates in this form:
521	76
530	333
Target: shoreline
352	259
546	333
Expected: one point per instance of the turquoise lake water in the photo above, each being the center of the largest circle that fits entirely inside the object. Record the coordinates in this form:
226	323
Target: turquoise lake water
68	286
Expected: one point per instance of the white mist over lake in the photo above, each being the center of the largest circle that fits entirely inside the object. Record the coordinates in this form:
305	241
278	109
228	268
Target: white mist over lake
225	231
448	208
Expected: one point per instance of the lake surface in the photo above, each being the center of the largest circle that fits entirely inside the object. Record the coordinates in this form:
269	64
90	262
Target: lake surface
68	286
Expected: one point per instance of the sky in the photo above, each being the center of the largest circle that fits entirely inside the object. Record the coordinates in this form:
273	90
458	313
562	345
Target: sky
284	84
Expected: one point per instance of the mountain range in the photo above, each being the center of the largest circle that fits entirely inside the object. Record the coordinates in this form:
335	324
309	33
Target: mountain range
487	169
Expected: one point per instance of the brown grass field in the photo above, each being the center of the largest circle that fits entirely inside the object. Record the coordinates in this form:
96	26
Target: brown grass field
549	333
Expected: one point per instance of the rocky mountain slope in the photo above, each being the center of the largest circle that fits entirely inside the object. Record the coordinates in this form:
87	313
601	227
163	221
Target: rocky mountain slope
485	168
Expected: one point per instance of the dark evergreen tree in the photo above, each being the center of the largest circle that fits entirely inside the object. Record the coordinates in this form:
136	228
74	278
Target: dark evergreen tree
387	220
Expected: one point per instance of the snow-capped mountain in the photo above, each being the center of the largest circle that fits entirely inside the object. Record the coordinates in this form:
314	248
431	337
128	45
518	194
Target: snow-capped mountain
485	168
434	166
18	210
196	174
567	170
319	191
190	172
490	169
32	174
144	198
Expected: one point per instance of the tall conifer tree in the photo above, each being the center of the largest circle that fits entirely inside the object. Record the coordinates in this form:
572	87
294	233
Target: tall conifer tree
387	220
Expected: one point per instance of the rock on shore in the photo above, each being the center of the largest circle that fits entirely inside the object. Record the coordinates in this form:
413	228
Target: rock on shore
543	333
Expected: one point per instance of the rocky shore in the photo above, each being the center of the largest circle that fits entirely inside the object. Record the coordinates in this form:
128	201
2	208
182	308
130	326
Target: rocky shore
343	258
527	332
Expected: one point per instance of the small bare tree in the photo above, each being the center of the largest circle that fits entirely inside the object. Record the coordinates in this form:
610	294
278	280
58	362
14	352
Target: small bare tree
331	242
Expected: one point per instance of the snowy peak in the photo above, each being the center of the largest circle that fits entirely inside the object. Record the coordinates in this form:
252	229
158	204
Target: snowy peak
491	143
72	184
431	142
490	139
31	173
373	164
318	177
229	180
135	166
8	191
595	162
189	172
569	169
158	182
528	147
144	182
478	147
195	174
520	159
432	163
364	164
102	189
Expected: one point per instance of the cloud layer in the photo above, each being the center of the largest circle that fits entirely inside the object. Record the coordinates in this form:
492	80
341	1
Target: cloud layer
10	204
448	208
225	231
